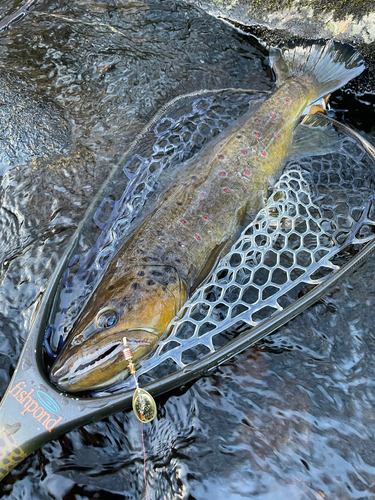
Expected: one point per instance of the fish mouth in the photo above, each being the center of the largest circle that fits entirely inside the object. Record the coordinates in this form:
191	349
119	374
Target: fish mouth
94	365
106	354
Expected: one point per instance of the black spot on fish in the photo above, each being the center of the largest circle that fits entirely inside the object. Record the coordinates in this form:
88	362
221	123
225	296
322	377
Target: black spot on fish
168	269
135	286
111	287
156	273
179	203
159	232
140	273
194	177
151	282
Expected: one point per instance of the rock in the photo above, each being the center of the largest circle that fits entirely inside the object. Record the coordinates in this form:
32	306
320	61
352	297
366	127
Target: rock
277	21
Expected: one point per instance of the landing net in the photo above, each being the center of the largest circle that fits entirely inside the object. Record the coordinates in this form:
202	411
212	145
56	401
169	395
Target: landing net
318	218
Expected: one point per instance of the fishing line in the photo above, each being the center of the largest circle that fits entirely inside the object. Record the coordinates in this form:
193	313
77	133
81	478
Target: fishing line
144	405
144	462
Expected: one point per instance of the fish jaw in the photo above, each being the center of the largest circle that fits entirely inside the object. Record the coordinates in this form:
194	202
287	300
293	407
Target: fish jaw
99	361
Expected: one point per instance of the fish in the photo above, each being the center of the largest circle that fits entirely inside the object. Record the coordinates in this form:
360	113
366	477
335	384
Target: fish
196	220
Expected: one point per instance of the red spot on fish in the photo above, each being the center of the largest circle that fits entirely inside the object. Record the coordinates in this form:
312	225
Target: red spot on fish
273	115
243	151
206	217
197	237
287	100
221	157
257	134
278	135
263	153
246	172
183	221
180	244
203	195
223	174
226	190
257	120
244	190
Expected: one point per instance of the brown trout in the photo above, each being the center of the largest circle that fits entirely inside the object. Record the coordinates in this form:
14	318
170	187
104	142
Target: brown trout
197	218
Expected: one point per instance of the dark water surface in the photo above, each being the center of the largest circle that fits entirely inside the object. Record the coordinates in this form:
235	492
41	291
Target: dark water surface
291	418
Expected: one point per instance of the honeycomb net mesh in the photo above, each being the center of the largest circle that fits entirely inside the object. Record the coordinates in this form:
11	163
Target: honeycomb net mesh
293	245
319	214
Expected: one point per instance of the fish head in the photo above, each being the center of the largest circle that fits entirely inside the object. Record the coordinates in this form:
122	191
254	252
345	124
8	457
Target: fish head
139	306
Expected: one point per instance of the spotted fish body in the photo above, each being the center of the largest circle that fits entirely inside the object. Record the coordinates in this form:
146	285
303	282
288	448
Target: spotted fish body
205	208
197	218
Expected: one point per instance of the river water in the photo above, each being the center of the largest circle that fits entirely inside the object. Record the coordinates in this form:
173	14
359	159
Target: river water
290	418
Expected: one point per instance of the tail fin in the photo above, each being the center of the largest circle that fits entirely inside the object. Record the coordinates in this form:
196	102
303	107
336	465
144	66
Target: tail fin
325	66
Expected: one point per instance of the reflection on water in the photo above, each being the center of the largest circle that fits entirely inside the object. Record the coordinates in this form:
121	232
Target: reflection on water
291	418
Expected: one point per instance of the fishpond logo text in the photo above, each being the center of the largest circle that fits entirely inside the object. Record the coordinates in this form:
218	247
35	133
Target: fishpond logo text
19	392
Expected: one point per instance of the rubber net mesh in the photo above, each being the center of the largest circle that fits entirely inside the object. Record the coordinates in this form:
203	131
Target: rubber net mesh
319	214
293	245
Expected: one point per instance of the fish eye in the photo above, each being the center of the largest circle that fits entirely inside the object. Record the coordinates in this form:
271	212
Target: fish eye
107	319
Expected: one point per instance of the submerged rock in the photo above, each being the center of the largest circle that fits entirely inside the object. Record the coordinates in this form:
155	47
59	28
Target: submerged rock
351	21
277	21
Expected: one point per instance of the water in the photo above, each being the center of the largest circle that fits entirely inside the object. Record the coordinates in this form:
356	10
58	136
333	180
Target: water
289	418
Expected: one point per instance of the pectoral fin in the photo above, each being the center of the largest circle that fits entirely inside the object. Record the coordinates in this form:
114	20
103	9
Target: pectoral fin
314	135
